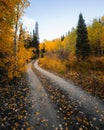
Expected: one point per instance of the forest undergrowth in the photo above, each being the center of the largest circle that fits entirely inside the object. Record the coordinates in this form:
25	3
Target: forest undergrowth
88	74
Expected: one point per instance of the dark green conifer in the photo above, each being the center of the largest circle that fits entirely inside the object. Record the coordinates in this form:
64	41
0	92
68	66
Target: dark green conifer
82	42
35	40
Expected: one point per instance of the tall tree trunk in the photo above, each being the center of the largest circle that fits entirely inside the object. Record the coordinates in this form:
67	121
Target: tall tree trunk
15	37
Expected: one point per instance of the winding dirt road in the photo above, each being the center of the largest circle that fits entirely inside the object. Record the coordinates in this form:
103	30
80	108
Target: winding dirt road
85	100
44	115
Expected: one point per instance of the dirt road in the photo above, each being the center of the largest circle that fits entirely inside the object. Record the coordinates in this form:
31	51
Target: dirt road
80	110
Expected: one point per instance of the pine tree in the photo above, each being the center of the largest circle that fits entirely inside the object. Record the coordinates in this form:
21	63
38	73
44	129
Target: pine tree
35	41
82	42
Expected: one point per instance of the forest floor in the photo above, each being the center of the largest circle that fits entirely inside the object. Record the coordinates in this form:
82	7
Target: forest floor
14	105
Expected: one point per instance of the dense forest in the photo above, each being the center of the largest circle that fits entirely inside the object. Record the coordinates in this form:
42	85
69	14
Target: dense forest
17	46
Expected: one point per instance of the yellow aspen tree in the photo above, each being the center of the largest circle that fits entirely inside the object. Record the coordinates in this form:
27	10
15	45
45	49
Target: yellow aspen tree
19	11
6	37
24	55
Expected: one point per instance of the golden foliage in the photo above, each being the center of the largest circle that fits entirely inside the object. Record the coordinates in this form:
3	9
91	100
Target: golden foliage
52	64
7	35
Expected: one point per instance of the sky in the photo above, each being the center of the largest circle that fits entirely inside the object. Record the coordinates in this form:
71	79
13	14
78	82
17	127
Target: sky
56	17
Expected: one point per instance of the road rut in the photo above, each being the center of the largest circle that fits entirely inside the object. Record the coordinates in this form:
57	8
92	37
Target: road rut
44	116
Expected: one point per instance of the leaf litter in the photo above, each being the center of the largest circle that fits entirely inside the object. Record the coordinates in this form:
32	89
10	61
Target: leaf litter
15	105
71	111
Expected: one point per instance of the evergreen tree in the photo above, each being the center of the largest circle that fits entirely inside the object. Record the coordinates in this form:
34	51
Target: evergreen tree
62	38
82	45
35	41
